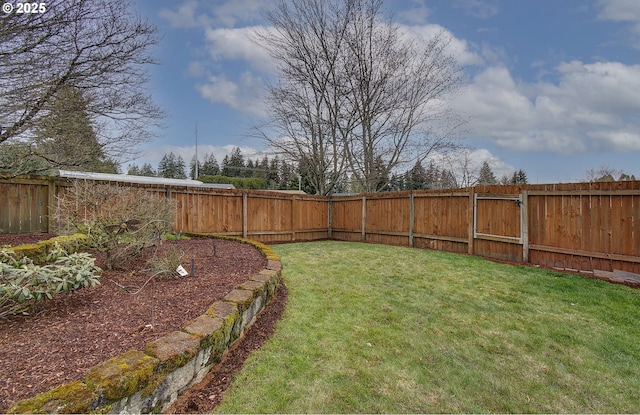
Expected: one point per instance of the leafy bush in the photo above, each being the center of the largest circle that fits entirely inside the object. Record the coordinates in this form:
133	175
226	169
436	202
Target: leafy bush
239	182
21	281
120	221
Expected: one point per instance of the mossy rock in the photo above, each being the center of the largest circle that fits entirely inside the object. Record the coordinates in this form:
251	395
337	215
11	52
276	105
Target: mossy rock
70	398
174	350
209	329
122	375
243	298
38	252
231	319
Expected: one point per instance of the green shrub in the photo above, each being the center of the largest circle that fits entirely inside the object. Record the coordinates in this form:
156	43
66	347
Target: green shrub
239	182
23	282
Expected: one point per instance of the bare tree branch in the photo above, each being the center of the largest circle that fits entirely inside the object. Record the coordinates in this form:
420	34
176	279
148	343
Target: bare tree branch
98	47
353	94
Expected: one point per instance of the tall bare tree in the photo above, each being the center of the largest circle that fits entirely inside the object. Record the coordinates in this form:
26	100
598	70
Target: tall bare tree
396	88
97	47
307	102
354	93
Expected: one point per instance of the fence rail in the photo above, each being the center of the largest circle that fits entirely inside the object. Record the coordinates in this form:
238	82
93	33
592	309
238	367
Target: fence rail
585	226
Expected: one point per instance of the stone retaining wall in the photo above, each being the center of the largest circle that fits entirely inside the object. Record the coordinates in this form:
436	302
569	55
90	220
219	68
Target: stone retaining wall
150	380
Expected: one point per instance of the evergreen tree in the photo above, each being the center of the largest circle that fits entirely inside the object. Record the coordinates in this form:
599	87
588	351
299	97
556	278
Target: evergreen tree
172	167
249	170
66	138
380	174
396	183
133	170
417	177
273	174
233	164
180	168
447	180
286	175
210	166
147	170
224	167
432	177
486	175
192	168
165	165
262	170
519	177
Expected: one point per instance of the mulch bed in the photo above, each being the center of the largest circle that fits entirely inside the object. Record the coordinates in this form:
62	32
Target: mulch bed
61	338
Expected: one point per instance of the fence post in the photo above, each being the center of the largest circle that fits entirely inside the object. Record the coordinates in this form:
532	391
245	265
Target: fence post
244	215
471	217
293	218
329	218
52	224
364	218
524	225
411	218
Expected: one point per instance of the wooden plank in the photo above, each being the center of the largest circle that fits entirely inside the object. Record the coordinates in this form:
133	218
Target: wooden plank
389	233
470	219
635	215
524	225
442	194
627	192
498	238
601	255
244	215
442	238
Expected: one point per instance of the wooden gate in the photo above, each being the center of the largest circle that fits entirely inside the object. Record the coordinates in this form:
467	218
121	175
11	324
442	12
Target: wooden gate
501	219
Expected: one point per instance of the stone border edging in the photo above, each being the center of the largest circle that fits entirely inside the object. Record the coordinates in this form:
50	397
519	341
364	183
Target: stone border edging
150	381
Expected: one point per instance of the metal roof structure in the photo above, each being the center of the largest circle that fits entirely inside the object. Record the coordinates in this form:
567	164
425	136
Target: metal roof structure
139	179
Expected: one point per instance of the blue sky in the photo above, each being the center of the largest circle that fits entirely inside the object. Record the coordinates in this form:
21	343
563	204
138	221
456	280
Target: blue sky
553	85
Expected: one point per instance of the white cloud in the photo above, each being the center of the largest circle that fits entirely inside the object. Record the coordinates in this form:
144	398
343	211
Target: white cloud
623	11
620	10
243	95
232	12
417	13
194	13
236	44
482	9
592	107
185	16
458	48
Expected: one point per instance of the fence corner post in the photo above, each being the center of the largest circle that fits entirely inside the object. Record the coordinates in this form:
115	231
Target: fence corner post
524	224
470	217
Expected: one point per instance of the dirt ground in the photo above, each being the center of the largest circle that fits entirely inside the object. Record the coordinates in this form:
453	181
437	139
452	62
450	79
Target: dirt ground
61	338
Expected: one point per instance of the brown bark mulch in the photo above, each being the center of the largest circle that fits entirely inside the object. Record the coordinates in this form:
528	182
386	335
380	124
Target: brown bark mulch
61	338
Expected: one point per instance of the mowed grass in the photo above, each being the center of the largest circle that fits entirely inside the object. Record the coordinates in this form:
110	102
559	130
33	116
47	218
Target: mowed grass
380	329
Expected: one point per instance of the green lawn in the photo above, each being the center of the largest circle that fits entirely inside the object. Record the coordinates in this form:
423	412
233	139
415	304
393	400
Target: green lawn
380	329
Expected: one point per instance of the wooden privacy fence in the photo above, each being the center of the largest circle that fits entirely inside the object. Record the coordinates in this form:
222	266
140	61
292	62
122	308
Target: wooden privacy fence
582	227
27	205
585	226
